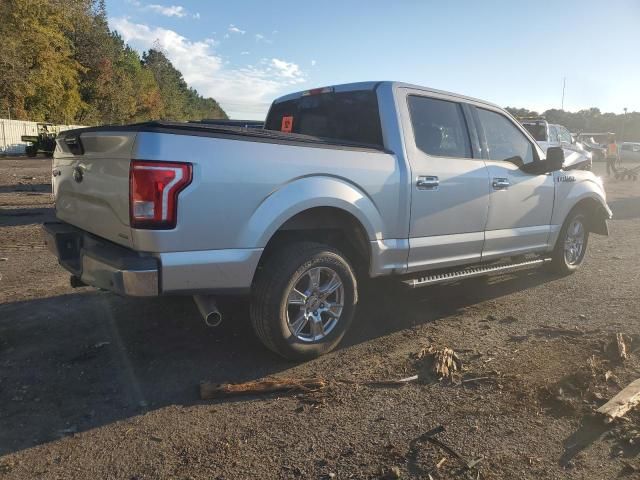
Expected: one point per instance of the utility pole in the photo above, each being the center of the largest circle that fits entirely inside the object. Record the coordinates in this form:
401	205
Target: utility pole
564	84
624	124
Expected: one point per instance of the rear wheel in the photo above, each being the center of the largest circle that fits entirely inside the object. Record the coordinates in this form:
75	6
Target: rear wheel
304	300
571	245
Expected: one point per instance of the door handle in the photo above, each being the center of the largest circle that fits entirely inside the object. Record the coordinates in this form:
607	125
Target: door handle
500	183
427	183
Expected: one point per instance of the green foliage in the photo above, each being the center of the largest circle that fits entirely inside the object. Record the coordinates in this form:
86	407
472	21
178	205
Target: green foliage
626	127
60	62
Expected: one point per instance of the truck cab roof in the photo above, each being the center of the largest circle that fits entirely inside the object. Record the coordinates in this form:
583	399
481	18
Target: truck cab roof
373	85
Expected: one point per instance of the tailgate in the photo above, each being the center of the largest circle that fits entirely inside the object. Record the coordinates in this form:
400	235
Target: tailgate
91	182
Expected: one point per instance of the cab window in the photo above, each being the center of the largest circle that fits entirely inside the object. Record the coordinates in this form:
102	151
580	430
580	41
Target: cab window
564	135
439	127
504	141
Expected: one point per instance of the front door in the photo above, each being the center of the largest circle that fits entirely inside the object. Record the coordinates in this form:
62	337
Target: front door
520	204
450	190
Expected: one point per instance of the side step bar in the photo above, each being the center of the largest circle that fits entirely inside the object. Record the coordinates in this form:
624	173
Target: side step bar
473	272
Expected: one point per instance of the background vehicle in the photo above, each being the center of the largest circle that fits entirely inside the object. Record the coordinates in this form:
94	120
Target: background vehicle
552	135
630	152
598	148
44	142
345	182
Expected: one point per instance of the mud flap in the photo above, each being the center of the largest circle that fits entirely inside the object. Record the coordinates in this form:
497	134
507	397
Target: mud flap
599	219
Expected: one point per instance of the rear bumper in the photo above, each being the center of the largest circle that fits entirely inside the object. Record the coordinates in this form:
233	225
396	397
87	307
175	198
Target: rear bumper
103	264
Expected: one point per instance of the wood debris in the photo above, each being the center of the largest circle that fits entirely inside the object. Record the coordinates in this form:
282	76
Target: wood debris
430	437
210	391
624	401
445	361
622	347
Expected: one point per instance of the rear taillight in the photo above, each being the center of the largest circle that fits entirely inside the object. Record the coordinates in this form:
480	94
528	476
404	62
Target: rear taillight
153	192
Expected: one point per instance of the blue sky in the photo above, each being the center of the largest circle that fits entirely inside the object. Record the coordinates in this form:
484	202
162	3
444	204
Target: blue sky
245	53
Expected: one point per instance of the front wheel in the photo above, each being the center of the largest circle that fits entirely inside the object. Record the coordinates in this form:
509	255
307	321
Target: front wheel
571	245
31	151
304	299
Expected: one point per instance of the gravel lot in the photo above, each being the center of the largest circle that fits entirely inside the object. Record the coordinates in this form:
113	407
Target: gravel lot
97	386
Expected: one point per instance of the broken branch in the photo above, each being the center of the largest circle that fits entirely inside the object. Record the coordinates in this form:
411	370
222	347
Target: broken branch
210	391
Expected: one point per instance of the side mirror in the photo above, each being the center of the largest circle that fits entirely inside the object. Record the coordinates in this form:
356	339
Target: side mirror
553	162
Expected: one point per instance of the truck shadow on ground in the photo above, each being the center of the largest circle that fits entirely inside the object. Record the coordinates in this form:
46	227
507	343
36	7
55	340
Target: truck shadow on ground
26	187
11	217
76	362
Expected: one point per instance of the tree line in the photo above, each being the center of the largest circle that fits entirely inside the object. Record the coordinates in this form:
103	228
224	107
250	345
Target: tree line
626	126
60	62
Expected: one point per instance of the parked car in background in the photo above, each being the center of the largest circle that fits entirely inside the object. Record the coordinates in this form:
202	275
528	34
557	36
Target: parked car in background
596	143
345	182
630	152
552	135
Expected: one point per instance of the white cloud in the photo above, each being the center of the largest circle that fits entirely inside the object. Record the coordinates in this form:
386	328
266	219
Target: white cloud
233	29
243	91
313	63
245	53
286	69
172	11
196	15
261	38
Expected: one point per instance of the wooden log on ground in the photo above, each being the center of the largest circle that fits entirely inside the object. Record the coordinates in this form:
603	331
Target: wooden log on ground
209	391
624	401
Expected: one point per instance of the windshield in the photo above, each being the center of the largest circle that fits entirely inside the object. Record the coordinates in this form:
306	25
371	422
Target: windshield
538	130
352	116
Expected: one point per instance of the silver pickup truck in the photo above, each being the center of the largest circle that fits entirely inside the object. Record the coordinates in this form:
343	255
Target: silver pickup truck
342	183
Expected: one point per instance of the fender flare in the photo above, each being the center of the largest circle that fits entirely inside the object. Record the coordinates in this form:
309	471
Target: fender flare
598	211
308	192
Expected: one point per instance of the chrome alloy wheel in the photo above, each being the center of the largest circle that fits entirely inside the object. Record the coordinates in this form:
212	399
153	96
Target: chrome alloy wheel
574	242
314	304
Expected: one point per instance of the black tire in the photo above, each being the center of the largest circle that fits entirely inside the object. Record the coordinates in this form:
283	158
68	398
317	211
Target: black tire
269	308
559	263
31	151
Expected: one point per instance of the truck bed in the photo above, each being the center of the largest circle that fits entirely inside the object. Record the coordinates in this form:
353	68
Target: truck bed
226	131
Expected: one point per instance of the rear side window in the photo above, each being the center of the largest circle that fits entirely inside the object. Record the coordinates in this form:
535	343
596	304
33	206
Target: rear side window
349	116
439	127
504	140
564	135
538	130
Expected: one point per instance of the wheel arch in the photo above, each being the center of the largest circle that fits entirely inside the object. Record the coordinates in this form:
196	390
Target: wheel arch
333	226
597	213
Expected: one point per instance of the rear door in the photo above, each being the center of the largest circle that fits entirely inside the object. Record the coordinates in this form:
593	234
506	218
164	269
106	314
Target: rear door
520	204
450	183
91	183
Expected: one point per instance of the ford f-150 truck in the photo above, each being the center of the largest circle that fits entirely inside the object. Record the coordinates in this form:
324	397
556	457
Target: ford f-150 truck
342	183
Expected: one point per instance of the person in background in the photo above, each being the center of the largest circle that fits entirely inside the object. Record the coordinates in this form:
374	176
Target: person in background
612	155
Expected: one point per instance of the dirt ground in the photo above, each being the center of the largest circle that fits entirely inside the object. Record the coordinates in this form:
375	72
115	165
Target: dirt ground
97	386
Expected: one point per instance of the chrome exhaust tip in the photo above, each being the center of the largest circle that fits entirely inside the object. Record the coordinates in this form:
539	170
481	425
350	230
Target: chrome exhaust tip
208	308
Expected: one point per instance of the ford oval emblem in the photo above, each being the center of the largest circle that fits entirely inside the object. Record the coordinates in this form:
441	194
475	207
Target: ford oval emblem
77	174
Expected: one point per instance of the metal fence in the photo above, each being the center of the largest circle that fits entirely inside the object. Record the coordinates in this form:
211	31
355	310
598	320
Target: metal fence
12	130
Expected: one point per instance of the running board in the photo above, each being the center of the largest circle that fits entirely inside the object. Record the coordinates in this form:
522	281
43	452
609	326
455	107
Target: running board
473	272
